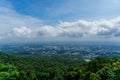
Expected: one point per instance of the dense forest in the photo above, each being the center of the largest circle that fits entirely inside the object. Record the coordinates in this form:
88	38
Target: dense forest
14	67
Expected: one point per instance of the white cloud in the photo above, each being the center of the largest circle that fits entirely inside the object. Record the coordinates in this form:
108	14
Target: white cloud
14	25
22	32
10	19
81	28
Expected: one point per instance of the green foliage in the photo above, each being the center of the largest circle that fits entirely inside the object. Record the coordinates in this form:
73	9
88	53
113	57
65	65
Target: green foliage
94	76
97	63
14	67
106	74
8	72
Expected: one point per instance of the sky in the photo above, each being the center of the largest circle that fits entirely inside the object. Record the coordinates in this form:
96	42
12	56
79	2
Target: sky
48	20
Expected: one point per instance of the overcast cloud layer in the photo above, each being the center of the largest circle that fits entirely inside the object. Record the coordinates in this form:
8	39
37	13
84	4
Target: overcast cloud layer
17	26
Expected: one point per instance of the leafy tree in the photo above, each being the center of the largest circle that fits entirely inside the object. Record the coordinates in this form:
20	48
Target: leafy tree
106	73
97	63
94	76
8	72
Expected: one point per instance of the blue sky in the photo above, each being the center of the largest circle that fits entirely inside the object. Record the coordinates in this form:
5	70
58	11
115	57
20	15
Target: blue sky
37	20
67	10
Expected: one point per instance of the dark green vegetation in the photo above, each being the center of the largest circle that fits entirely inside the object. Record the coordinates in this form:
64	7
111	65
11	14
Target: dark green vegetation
14	67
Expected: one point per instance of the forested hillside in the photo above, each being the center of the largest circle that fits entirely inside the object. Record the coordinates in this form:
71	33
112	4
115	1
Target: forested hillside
14	67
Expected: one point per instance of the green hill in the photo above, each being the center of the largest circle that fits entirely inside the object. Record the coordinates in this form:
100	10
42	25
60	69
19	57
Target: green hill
14	67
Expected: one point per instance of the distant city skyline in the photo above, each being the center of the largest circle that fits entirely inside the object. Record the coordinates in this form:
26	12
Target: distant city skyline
48	20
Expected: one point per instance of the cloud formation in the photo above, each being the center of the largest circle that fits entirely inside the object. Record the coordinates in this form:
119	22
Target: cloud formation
14	25
22	32
81	28
10	20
